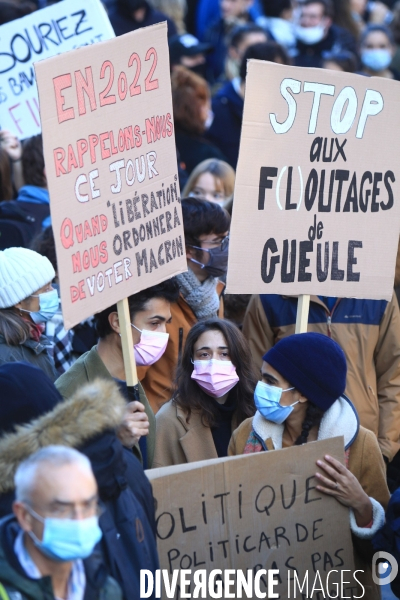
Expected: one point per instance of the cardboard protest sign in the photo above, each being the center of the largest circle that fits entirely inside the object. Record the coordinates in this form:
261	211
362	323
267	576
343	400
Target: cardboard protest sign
63	26
259	511
112	170
317	191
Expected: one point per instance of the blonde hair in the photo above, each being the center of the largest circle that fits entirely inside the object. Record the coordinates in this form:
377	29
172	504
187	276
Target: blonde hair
174	9
219	169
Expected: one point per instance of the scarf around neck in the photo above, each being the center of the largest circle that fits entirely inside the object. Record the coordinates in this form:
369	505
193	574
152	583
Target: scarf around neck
201	297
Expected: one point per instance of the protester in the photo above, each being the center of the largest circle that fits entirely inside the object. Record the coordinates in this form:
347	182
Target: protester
213	180
130	15
317	34
206	227
233	13
186	50
11	177
301	399
150	311
345	61
89	422
369	333
395	29
27	302
277	19
46	548
174	9
215	384
228	103
239	40
377	51
192	112
366	13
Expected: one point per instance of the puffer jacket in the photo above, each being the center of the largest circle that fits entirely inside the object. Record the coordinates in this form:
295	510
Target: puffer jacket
35	353
99	586
87	422
369	333
157	379
364	461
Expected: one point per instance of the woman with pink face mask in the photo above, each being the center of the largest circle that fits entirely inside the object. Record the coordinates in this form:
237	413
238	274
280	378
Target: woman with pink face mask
214	393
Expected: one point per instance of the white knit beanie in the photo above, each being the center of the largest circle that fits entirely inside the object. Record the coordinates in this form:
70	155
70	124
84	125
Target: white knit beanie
22	273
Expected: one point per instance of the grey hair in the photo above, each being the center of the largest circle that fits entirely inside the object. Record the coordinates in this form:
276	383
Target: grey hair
56	456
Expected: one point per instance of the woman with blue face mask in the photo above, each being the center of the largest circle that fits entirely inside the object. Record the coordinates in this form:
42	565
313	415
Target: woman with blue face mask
27	302
301	399
377	51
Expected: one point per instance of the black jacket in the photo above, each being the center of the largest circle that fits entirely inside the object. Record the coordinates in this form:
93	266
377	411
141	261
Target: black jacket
99	586
193	149
122	21
337	40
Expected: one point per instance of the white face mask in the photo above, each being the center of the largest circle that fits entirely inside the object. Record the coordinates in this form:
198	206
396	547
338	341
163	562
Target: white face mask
310	35
282	30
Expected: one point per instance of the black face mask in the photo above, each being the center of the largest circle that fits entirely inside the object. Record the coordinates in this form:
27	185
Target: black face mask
217	266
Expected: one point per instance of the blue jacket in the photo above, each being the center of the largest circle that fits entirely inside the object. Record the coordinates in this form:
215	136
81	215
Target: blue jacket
225	129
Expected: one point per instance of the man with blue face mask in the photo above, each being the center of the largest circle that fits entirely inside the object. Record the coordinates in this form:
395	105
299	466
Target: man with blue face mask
316	34
47	545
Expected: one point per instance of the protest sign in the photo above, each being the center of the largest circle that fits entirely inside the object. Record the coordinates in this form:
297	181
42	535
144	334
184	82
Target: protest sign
111	167
63	26
316	207
259	511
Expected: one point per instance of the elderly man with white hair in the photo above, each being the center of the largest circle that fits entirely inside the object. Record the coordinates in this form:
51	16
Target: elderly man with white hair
46	547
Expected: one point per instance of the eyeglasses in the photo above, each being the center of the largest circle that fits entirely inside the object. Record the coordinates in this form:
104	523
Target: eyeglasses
68	511
223	244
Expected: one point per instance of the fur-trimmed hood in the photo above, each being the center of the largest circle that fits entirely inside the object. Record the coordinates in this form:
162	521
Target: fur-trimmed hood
95	408
340	419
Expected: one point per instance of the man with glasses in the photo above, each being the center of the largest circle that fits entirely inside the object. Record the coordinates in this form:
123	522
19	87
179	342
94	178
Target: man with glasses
47	546
206	226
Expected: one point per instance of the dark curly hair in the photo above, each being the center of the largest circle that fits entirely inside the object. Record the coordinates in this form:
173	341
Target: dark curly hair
312	418
190	397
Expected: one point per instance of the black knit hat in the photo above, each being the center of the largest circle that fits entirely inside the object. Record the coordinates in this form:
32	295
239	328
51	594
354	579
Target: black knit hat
314	364
26	393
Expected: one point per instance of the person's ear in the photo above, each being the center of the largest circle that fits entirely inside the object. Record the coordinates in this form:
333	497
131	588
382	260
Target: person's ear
327	22
114	321
23	516
302	399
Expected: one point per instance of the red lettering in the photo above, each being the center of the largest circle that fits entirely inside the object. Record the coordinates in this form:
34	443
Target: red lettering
150	130
82	149
87	231
94	256
79	233
86	260
76	263
138	136
67	233
72	162
87	86
59	155
93	142
105	152
103	252
114	148
81	292
128	134
95	225
74	293
170	126
104	222
60	83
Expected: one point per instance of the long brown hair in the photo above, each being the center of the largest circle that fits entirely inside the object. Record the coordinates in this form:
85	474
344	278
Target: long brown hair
14	328
189	93
190	397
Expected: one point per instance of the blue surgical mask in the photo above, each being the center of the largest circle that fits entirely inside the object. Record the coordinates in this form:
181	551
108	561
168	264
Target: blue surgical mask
267	397
67	539
377	59
48	306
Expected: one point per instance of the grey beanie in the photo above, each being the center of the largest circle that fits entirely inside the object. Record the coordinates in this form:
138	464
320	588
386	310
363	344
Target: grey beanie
22	273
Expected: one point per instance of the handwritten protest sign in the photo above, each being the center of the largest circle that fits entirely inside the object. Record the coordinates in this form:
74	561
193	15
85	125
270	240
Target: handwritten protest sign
260	511
111	168
317	189
63	26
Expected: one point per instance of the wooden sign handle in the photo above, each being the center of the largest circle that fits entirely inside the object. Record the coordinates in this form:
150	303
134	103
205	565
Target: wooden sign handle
303	306
127	343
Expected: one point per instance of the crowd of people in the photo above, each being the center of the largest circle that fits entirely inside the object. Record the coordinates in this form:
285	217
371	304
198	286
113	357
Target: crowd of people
219	374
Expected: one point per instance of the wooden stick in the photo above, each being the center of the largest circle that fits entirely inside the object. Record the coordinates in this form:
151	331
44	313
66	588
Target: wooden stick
127	342
303	306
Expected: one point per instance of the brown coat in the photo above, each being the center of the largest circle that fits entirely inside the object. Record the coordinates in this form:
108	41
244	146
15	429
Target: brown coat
366	463
372	351
179	442
157	380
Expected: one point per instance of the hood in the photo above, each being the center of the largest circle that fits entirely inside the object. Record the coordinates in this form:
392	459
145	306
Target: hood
340	419
95	408
33	194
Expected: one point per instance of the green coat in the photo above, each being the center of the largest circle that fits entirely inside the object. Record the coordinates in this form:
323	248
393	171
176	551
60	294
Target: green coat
99	586
88	367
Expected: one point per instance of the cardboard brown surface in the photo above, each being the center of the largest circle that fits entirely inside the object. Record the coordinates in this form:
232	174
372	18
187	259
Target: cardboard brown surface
111	167
295	134
212	515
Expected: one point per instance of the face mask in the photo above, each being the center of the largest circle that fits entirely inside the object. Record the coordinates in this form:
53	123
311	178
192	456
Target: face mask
376	60
217	266
215	377
266	399
48	306
151	347
67	539
310	35
282	31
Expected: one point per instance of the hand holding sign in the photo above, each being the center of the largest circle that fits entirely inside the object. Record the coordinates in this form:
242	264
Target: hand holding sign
135	424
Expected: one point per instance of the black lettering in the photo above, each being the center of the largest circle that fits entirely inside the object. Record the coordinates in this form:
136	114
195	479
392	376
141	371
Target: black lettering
351	260
304	262
336	273
288	277
322	274
82	15
265	184
315	149
390	202
184	527
267	276
351	197
375	192
309	488
325	157
340	150
309	196
289	205
340	176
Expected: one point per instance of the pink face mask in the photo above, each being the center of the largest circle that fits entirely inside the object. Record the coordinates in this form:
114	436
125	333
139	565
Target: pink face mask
151	347
215	377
